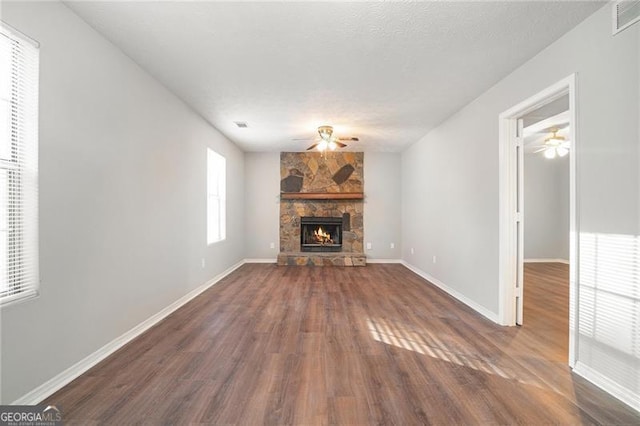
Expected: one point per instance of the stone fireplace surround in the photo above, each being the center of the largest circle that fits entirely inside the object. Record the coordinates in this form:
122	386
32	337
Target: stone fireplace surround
322	185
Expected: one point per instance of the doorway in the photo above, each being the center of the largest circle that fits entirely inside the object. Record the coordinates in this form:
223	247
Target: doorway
513	148
546	155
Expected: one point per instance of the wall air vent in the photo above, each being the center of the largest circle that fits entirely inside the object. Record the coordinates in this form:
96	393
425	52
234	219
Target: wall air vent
625	14
243	125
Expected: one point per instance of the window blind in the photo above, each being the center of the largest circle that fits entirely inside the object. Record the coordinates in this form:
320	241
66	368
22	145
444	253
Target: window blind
19	58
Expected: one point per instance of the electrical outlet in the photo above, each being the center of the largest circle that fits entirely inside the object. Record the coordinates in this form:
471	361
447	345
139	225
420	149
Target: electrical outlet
434	259
203	262
272	245
368	246
392	245
413	251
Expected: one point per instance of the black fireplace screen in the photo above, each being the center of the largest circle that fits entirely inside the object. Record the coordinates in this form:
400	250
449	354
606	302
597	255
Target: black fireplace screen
321	233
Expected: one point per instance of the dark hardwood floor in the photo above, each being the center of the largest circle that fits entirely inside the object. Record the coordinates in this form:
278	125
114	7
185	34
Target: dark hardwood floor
330	345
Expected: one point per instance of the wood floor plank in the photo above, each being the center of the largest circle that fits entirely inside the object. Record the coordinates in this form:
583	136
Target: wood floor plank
320	345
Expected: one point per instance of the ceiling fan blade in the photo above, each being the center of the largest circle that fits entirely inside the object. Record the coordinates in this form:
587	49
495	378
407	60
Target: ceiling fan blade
540	149
351	139
340	144
312	146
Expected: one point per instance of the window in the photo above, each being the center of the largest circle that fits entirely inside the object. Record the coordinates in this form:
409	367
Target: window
18	166
216	197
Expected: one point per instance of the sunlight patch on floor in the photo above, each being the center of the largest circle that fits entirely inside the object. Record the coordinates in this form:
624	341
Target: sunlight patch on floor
426	343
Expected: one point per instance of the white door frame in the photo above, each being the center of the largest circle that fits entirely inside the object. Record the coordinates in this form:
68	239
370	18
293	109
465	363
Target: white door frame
508	181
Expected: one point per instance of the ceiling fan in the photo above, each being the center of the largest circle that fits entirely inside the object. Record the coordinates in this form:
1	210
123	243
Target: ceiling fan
554	145
329	141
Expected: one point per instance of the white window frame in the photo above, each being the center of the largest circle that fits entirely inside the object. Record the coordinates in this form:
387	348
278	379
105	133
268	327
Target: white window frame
216	197
19	62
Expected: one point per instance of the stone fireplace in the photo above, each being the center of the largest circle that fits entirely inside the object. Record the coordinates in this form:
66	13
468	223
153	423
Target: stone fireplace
321	208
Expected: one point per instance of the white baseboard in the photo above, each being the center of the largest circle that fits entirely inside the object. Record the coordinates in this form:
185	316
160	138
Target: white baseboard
470	303
260	260
625	395
566	262
51	386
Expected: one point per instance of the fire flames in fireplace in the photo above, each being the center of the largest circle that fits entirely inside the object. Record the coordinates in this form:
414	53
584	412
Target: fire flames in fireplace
321	233
322	237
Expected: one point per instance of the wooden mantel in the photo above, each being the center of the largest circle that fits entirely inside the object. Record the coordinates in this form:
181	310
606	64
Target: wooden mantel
322	195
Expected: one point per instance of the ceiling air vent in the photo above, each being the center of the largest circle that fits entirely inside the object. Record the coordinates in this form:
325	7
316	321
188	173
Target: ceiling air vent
625	14
243	125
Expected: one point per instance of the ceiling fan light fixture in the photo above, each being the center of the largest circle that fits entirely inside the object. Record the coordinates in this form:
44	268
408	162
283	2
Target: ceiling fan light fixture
325	132
554	139
550	153
555	146
329	141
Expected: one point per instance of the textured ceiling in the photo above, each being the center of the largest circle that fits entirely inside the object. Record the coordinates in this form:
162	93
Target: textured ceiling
386	72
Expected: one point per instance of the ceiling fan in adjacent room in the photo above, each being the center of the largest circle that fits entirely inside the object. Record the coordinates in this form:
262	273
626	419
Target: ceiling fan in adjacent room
554	146
328	141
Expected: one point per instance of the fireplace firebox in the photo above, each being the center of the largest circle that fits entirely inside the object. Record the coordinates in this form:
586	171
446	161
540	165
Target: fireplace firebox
321	233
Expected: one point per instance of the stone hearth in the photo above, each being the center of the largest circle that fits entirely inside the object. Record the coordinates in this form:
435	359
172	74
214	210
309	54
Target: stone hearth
322	259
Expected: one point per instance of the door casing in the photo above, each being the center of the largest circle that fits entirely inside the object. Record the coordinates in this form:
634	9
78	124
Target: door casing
510	177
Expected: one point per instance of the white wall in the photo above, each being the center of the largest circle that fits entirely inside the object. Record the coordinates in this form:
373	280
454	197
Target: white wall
122	200
262	198
546	207
382	205
450	206
450	193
